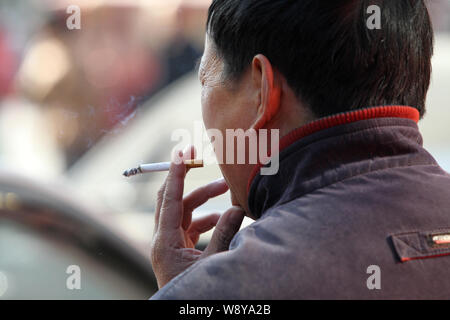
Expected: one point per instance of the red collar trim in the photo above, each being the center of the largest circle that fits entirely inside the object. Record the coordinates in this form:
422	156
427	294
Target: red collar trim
340	119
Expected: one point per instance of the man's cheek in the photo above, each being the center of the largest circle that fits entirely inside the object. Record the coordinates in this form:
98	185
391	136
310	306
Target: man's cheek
208	112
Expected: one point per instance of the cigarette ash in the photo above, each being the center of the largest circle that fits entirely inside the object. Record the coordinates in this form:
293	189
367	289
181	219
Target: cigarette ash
132	172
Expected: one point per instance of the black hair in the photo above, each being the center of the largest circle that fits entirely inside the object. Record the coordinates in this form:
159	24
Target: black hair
324	48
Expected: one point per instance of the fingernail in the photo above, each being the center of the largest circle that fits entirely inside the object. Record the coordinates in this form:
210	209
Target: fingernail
189	152
177	157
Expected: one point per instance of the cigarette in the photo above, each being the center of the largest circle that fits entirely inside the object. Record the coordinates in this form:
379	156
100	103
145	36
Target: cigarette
162	166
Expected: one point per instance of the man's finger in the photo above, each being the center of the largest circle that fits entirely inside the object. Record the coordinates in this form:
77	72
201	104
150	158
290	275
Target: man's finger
228	225
159	201
171	214
189	152
199	196
204	224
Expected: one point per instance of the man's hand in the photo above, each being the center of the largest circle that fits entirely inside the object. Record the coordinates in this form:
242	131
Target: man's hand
176	234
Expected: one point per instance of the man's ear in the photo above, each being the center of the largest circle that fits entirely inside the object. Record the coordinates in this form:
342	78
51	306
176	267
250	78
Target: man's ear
270	91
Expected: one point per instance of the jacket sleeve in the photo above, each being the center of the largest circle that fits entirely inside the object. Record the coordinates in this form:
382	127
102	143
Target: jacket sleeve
229	275
244	272
213	278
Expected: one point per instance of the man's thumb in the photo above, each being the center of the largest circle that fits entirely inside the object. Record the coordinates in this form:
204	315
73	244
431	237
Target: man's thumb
227	226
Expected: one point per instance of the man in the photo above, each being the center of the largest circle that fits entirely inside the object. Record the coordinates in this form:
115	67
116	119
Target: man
358	208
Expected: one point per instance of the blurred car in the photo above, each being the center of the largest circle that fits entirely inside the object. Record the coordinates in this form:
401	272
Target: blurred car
46	232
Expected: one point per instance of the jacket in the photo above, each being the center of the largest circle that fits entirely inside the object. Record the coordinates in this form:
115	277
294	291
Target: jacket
358	210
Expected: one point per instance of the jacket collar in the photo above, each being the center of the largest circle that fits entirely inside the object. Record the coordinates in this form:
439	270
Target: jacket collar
331	149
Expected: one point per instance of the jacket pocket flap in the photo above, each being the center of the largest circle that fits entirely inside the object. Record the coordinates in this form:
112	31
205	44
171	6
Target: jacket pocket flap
422	244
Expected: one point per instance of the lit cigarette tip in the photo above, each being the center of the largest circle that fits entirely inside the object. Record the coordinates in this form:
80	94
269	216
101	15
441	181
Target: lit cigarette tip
132	172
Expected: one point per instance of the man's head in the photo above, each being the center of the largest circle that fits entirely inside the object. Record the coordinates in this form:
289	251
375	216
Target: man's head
281	63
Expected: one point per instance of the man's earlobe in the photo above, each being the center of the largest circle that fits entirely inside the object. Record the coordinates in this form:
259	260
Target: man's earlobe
270	92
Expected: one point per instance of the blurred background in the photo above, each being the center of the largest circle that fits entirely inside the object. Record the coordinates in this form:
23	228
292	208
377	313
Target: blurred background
78	107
